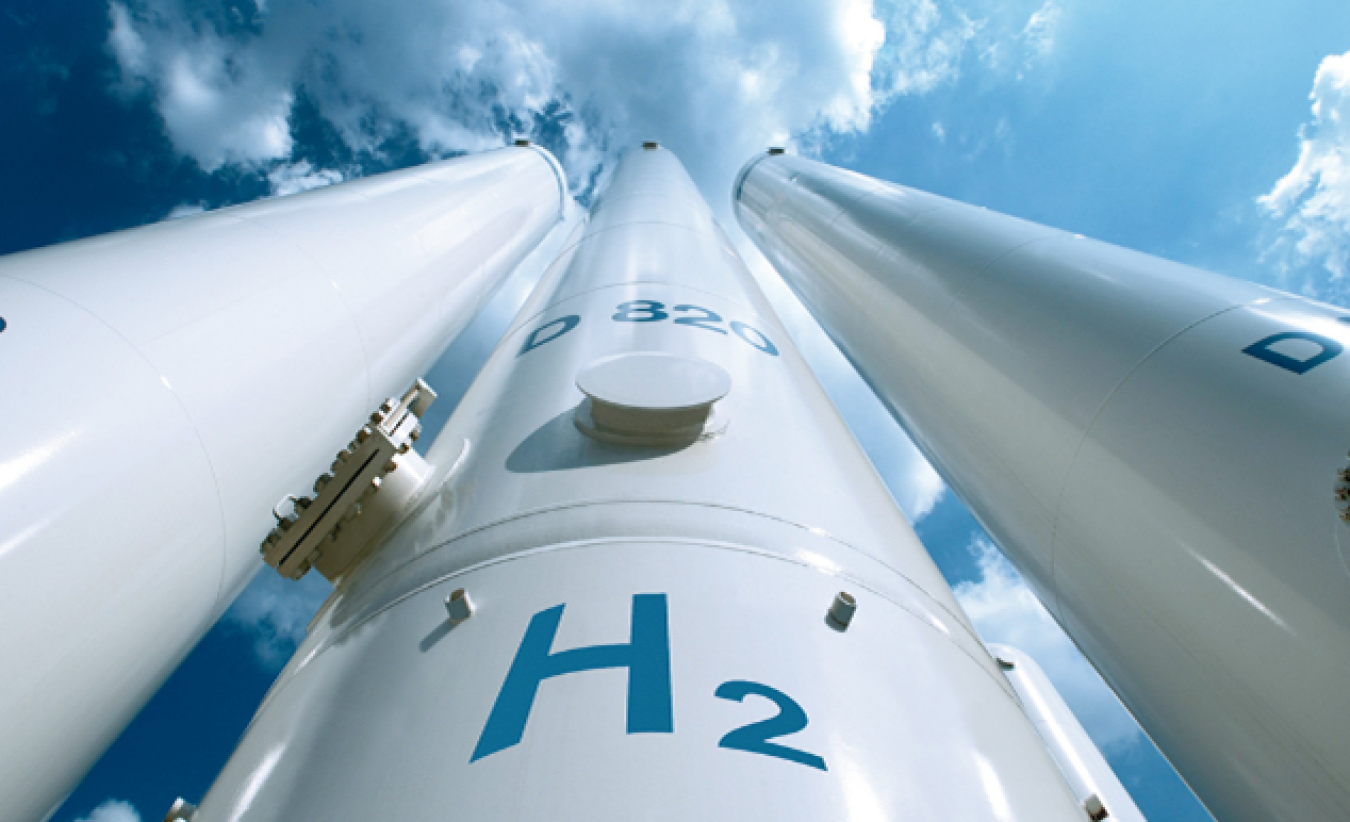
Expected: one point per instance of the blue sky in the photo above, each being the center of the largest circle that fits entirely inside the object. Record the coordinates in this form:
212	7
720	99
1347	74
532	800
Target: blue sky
1216	134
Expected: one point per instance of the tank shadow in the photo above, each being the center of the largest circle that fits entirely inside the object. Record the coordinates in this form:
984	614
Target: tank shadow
557	445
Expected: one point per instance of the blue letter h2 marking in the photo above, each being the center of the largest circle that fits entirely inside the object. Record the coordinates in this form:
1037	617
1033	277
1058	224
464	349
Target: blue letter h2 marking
646	656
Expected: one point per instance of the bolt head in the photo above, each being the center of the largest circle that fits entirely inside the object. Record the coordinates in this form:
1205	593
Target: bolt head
842	610
458	606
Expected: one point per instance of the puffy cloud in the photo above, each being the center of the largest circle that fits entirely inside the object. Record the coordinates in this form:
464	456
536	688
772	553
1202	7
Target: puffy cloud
275	613
713	79
925	44
1005	611
112	810
1310	205
220	103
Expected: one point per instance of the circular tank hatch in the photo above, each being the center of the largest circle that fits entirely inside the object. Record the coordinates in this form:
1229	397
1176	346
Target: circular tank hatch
651	398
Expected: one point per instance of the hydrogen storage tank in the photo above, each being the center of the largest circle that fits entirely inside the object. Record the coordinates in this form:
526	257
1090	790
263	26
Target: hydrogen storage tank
1160	450
650	575
165	386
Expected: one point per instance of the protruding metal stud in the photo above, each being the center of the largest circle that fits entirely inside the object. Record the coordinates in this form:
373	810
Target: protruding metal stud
391	466
458	606
363	434
181	811
842	610
1096	811
322	481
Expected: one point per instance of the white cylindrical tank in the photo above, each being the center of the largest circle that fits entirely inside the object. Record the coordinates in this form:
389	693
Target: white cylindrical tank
655	577
163	387
1162	452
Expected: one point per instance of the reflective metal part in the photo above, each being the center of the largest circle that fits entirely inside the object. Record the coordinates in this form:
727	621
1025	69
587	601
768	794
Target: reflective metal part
458	606
321	532
164	386
842	610
181	811
642	610
1153	445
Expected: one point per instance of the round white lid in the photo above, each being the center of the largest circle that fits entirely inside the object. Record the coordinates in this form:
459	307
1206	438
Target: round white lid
653	380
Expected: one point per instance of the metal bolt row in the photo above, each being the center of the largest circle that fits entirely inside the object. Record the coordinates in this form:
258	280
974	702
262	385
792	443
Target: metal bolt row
355	510
1341	494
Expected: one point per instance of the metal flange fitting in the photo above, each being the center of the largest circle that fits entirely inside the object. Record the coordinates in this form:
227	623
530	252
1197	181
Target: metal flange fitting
1341	494
370	482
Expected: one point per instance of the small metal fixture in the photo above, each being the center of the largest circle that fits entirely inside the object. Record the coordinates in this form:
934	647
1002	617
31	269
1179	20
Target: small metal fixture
1341	494
651	145
181	811
1096	811
842	610
522	143
458	606
776	150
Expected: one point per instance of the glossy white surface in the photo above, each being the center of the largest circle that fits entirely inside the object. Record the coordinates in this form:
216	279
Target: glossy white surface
165	386
747	538
1083	766
1168	493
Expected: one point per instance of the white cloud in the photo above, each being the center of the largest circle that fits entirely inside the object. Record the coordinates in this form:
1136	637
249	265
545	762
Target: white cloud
1005	611
220	103
112	810
1039	33
291	178
275	613
1310	205
929	43
925	44
713	79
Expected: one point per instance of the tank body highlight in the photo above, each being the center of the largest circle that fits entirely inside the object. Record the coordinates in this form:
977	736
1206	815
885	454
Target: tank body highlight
165	386
1161	450
656	576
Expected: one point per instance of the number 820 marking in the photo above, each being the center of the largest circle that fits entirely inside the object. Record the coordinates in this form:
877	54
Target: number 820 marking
651	311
